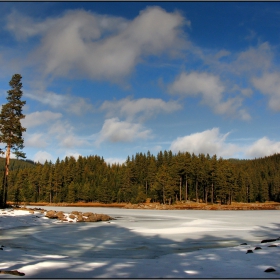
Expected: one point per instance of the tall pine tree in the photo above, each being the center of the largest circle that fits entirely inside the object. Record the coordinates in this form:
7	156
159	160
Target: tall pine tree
11	129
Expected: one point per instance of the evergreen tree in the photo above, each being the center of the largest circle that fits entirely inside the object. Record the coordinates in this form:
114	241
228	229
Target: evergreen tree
11	129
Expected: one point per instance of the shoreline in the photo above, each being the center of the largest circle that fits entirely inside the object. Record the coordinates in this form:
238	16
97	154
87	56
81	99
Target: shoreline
158	206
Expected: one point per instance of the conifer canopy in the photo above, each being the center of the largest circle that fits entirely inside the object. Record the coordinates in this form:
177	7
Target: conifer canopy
11	114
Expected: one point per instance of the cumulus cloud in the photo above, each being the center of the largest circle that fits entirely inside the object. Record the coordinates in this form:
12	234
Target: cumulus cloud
37	140
263	147
42	156
253	60
114	130
72	154
38	118
147	106
69	103
194	83
55	128
115	160
213	142
269	84
63	132
211	89
102	47
209	141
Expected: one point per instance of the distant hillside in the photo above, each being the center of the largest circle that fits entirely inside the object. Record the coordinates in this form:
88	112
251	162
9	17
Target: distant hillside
16	164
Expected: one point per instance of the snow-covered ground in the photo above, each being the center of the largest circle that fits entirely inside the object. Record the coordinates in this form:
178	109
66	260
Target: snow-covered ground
141	244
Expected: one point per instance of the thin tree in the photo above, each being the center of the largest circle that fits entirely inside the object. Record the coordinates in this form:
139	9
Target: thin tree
11	129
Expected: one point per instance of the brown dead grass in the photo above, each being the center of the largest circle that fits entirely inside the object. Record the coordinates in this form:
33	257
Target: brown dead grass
178	206
78	204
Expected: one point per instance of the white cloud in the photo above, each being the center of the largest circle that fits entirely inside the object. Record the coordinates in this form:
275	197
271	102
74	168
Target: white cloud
246	91
69	103
213	142
71	140
64	134
222	53
254	59
102	47
211	89
90	25
147	106
262	147
42	156
269	84
114	130
115	160
195	83
37	140
38	118
208	141
72	154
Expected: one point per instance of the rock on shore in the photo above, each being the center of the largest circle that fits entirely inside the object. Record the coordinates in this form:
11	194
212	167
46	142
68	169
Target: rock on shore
76	216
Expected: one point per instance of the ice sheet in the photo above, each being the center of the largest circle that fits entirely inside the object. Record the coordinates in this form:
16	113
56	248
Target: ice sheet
141	244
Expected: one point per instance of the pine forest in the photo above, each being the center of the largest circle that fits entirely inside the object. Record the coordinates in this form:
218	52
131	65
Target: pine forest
165	178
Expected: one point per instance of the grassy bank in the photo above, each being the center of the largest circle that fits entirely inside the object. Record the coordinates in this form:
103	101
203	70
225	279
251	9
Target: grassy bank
158	206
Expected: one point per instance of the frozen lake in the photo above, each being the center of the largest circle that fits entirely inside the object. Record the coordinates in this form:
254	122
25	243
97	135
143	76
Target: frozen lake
145	234
141	244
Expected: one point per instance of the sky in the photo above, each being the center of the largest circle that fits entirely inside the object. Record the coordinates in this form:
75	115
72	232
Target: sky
118	78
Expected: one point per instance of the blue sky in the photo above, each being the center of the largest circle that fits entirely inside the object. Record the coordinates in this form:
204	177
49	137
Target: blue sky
117	78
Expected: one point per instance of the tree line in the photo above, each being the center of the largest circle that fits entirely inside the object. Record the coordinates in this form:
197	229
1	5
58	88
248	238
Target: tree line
164	178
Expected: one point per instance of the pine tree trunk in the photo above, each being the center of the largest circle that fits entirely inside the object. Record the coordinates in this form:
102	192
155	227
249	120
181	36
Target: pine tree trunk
146	188
212	194
3	190
163	197
186	189
180	188
196	190
5	180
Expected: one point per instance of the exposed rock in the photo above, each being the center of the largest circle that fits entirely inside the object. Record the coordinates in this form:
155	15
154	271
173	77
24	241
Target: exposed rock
269	240
257	248
80	218
51	214
12	272
92	218
270	269
105	217
87	214
249	251
243	244
60	215
273	245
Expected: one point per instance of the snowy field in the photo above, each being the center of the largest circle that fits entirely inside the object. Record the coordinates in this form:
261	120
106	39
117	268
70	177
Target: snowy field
141	244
